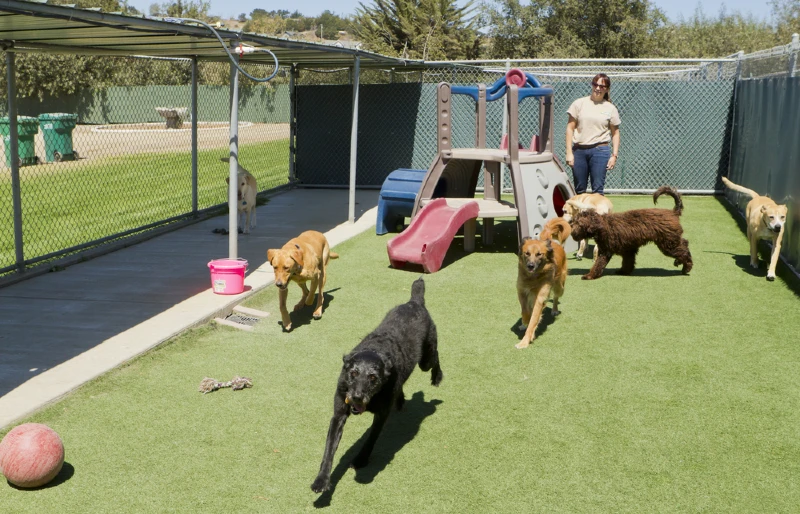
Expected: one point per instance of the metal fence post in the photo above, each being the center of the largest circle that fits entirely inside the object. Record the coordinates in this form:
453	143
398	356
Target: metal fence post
13	151
194	135
233	242
351	216
739	57
293	72
793	54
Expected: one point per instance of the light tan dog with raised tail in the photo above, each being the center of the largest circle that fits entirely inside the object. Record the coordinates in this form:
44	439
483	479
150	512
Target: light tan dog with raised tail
765	220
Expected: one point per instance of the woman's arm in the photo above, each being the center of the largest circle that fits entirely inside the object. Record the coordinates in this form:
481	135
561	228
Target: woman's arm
614	147
571	124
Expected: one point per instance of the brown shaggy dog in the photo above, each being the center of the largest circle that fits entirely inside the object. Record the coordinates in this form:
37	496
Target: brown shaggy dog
624	233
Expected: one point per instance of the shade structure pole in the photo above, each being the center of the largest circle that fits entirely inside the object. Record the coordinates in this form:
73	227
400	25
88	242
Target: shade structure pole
13	152
351	213
233	235
194	135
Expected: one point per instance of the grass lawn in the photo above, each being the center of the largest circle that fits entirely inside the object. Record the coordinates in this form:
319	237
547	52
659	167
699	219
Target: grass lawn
71	203
654	392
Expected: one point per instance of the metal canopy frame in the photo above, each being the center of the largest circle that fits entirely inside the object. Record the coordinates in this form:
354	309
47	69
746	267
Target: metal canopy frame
35	27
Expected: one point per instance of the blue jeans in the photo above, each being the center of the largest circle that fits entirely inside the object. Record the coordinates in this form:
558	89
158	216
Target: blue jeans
590	162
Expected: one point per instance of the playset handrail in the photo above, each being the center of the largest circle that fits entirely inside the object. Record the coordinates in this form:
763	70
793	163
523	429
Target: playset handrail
531	88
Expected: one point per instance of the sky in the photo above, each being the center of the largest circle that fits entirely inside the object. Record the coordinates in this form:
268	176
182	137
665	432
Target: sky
674	9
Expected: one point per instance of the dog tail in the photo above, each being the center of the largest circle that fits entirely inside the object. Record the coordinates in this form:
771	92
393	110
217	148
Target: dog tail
556	228
738	188
418	291
333	255
671	191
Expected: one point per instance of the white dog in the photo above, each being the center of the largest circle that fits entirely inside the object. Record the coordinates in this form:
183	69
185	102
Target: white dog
585	202
246	190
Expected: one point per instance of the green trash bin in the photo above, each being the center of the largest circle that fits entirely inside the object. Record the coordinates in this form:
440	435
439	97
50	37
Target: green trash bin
27	128
57	132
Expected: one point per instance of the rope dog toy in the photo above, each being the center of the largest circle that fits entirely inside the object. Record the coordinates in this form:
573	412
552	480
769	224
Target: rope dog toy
208	385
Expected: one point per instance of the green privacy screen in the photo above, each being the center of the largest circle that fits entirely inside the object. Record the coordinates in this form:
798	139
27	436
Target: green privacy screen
673	132
765	149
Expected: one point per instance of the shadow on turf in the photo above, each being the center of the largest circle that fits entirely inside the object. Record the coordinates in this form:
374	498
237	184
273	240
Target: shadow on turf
67	470
764	251
637	272
546	321
401	429
305	315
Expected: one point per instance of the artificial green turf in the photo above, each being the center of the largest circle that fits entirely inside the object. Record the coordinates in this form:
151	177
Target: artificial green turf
654	392
71	203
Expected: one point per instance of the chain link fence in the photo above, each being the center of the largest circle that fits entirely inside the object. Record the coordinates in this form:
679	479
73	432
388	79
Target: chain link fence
109	163
112	161
776	62
675	120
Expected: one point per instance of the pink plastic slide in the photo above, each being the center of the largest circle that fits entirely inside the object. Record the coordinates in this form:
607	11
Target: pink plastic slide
429	235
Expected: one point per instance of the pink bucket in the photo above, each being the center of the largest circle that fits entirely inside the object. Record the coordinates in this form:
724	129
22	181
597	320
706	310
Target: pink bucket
227	275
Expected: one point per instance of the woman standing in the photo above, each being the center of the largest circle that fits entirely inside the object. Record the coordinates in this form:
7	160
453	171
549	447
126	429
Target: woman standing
593	136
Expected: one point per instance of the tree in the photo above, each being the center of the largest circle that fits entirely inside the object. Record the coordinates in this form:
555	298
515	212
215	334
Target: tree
242	18
573	28
786	15
418	29
195	9
331	24
701	36
269	25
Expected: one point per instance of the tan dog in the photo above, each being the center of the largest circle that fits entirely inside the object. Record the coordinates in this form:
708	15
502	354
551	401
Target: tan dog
246	191
542	270
303	259
585	202
765	220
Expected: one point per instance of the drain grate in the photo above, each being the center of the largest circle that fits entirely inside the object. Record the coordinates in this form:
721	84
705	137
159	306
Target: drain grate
243	318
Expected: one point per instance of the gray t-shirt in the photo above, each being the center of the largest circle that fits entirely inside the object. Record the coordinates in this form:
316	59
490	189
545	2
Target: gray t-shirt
594	121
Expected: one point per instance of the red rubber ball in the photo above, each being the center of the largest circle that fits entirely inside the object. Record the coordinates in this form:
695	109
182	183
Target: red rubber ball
31	455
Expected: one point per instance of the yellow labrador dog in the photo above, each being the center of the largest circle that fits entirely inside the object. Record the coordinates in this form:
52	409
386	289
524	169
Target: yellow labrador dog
246	191
585	202
303	259
765	220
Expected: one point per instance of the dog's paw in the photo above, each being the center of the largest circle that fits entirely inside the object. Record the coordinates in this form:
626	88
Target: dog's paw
436	377
587	277
321	484
555	312
771	278
754	265
239	230
578	257
287	327
523	326
522	345
298	306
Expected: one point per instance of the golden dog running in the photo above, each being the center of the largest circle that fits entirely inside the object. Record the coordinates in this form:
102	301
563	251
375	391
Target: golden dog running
303	259
542	270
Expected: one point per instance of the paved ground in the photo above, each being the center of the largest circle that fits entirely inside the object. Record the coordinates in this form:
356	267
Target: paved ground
93	142
60	330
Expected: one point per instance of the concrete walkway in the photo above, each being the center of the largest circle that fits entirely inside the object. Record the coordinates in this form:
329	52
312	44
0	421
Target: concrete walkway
60	330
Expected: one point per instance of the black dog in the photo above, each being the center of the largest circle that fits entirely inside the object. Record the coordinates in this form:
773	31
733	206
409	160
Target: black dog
374	372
